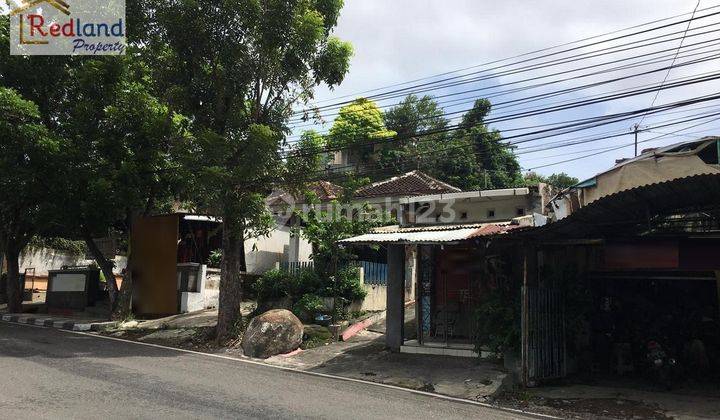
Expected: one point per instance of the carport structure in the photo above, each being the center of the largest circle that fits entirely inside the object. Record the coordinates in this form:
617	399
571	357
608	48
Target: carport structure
443	264
637	265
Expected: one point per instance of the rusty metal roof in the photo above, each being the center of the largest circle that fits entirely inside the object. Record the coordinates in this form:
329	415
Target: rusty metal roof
628	211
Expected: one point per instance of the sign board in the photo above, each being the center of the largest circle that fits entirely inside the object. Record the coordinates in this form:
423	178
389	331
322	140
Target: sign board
70	282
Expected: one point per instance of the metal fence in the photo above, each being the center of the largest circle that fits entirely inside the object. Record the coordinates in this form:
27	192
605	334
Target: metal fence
375	273
296	266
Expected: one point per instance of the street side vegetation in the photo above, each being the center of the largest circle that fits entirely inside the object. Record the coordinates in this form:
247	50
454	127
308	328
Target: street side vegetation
198	112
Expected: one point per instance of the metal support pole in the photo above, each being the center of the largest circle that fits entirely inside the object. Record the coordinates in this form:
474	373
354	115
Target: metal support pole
635	127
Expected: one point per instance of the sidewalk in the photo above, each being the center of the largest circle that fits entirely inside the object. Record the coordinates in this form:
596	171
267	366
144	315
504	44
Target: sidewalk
365	357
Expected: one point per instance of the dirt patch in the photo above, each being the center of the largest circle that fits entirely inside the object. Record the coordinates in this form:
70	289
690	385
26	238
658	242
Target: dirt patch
202	340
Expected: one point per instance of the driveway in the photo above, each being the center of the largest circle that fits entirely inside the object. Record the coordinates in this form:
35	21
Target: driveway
47	373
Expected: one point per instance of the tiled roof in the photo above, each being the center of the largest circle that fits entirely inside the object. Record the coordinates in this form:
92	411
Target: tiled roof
324	190
410	184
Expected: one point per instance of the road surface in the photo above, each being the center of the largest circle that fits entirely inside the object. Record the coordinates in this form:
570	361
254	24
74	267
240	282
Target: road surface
47	373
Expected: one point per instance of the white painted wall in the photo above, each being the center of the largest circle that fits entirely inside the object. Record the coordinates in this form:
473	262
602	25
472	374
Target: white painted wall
44	259
262	253
209	295
505	208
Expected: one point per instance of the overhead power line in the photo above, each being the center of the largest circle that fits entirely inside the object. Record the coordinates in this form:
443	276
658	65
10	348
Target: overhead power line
405	90
526	54
671	64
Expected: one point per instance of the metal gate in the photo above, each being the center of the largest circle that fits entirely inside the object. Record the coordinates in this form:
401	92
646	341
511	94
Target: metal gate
545	334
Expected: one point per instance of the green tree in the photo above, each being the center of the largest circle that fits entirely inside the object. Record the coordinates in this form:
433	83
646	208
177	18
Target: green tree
498	166
117	159
308	155
469	157
126	169
421	134
237	69
324	226
561	180
360	131
27	163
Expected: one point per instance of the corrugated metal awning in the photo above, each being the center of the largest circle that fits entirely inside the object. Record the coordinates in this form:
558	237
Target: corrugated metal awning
430	234
627	212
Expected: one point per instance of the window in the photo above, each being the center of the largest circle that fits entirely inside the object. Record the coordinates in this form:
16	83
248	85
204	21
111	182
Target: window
491	213
463	215
520	211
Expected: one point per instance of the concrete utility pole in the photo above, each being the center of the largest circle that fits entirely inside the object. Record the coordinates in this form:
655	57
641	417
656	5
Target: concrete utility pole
635	128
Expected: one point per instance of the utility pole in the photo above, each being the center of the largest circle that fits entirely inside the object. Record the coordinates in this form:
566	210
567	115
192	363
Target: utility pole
635	129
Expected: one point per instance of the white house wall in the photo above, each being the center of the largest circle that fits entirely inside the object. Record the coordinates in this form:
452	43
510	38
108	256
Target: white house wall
45	259
262	253
477	211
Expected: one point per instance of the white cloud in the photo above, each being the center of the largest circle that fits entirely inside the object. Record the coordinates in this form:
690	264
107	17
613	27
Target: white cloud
399	40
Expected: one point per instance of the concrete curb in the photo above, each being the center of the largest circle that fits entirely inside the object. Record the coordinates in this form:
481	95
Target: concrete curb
59	323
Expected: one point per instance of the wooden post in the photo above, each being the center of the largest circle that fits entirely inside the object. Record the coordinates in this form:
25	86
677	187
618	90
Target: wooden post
524	333
717	283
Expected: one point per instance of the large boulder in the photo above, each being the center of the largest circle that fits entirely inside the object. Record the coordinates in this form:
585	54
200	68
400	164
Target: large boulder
274	332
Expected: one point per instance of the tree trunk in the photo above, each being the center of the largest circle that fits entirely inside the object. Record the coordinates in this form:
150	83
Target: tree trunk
14	294
233	263
106	266
123	308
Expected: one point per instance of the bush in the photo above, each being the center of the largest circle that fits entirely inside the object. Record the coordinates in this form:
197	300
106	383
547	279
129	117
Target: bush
347	285
272	285
215	258
308	306
498	324
306	288
305	282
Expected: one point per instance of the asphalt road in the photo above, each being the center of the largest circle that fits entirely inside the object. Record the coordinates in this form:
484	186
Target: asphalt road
47	373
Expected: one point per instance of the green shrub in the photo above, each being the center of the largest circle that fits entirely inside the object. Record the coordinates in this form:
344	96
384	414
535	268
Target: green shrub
274	284
308	306
306	288
347	285
498	323
215	258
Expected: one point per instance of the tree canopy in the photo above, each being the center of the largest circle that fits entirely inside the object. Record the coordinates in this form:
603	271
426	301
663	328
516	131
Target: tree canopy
561	180
28	153
237	69
360	130
415	134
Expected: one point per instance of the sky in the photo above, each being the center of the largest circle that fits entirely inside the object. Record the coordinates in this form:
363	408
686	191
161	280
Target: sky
400	40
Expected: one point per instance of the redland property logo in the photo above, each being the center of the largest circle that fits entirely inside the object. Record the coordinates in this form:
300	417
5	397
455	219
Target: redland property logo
67	27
